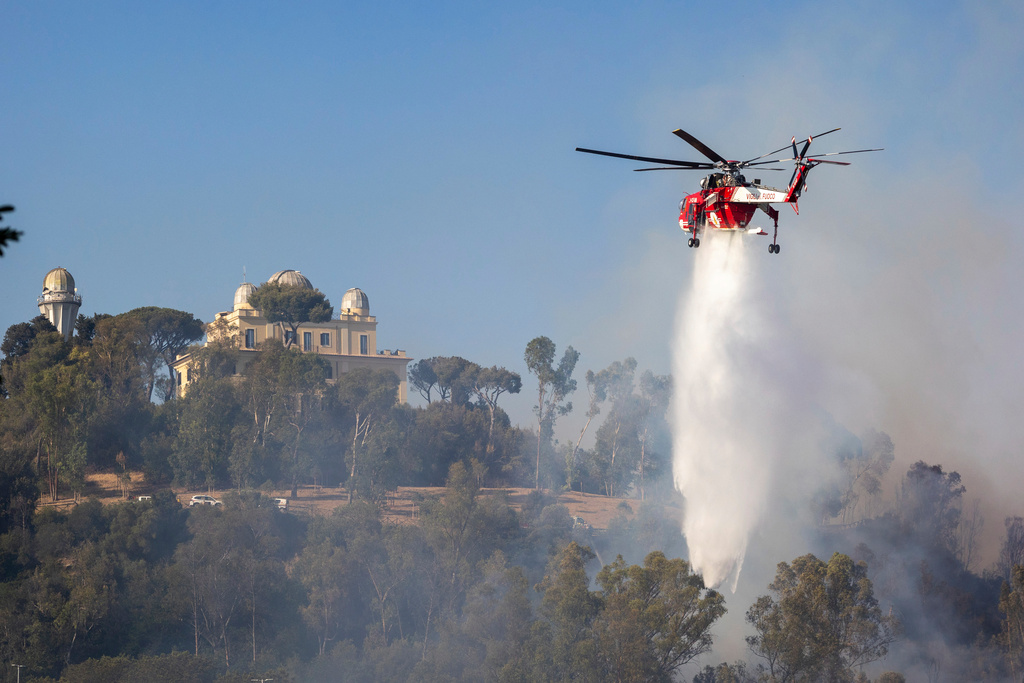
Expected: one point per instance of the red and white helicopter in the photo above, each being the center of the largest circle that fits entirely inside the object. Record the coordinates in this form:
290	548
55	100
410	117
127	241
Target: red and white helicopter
726	201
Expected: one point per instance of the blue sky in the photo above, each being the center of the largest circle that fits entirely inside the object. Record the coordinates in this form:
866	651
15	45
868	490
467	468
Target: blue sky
424	153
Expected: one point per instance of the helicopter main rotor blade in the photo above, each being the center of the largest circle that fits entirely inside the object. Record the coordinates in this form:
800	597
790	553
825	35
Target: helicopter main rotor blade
653	160
675	168
703	168
771	161
699	146
815	137
852	151
815	156
793	143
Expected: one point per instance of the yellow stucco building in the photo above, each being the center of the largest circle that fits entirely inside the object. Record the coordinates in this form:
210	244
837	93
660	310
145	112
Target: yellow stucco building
347	341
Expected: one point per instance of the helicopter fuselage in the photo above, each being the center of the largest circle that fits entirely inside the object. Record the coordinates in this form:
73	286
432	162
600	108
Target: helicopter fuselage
728	203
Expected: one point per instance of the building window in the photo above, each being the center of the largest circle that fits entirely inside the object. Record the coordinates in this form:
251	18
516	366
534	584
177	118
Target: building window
364	344
330	371
307	341
325	339
250	339
289	338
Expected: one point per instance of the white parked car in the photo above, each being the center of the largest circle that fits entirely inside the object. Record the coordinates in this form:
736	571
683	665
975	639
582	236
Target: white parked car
203	500
281	503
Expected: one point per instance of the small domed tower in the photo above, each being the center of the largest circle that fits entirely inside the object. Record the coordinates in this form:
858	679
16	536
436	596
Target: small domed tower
60	301
355	302
242	295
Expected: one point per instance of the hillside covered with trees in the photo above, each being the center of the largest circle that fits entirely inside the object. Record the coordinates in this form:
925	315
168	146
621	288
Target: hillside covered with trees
476	589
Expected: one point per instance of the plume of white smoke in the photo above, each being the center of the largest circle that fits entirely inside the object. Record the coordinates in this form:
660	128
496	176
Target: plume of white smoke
742	411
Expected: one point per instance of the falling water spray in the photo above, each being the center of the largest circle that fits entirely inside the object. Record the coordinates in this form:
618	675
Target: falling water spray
732	409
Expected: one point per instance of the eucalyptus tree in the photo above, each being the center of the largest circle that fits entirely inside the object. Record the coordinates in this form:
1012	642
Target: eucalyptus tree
1011	636
554	385
229	578
47	407
365	397
60	396
655	618
820	622
200	454
862	463
20	443
655	394
617	436
597	389
1011	554
564	641
323	569
930	506
283	393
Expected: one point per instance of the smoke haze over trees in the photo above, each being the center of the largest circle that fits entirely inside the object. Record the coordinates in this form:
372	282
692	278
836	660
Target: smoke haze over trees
476	589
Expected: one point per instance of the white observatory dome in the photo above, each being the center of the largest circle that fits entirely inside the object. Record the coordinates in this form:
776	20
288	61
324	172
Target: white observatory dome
355	302
291	277
58	280
242	295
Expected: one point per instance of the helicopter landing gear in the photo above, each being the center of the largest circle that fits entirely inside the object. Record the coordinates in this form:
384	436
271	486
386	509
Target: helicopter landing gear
773	248
693	242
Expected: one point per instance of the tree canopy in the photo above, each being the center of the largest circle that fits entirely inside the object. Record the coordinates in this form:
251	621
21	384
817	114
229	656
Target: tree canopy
291	305
7	235
554	385
656	618
166	332
820	621
19	336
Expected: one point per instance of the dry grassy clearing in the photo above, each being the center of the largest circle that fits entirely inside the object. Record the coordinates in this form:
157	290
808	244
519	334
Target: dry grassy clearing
402	506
